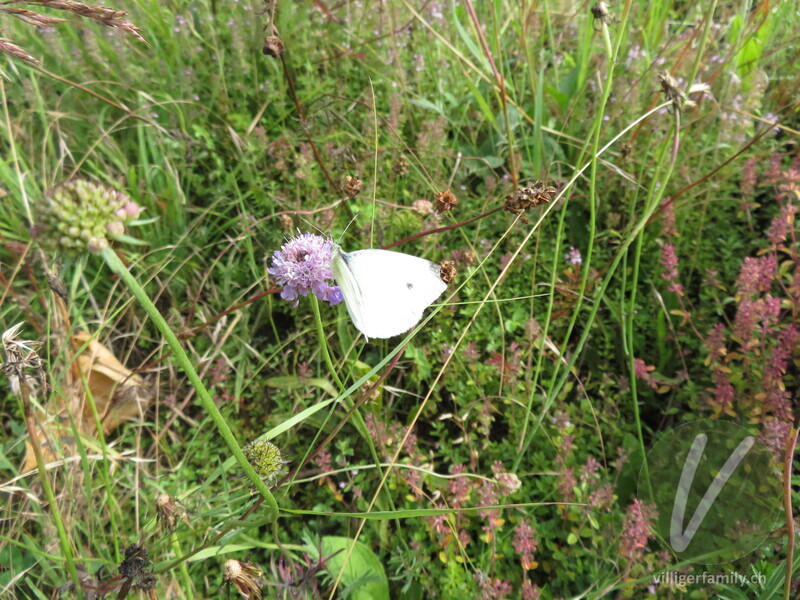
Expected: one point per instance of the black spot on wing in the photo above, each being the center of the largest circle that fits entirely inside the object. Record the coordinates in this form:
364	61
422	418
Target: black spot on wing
410	285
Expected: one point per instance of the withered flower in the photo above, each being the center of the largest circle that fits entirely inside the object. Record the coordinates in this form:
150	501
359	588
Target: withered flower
168	511
448	271
530	196
445	201
273	46
245	576
135	569
352	186
21	356
601	15
400	166
679	98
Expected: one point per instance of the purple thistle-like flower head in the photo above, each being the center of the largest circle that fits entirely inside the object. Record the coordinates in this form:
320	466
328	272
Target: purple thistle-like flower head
303	265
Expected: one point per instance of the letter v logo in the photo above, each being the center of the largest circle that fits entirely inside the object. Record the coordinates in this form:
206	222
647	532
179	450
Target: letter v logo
678	538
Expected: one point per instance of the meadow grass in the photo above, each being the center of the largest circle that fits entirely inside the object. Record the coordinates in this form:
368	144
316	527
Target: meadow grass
495	452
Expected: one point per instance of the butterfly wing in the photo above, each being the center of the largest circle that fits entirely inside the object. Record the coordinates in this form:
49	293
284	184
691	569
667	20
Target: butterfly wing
386	292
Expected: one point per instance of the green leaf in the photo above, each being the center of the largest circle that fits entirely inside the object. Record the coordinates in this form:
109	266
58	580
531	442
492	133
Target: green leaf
572	539
363	574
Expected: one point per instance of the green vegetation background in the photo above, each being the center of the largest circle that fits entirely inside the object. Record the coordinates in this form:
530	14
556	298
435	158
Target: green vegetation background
573	337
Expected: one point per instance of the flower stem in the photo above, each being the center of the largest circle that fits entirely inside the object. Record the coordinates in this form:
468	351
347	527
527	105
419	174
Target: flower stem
323	343
117	266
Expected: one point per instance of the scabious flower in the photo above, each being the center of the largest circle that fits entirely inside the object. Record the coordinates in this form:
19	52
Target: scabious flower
245	576
82	215
303	265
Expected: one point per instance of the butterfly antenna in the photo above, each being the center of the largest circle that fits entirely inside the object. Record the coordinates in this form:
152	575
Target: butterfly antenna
310	224
355	216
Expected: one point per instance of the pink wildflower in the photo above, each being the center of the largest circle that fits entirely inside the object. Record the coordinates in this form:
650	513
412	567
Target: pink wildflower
782	224
669	260
525	543
529	591
635	529
757	274
641	370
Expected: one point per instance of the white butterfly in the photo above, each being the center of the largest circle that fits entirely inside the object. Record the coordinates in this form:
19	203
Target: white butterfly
385	292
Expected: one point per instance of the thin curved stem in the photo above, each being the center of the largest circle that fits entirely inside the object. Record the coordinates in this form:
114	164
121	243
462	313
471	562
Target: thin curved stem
116	265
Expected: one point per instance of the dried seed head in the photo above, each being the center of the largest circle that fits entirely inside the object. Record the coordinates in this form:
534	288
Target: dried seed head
400	166
245	576
669	85
135	563
352	186
273	46
265	458
372	393
530	196
445	201
21	356
168	511
287	223
602	15
448	271
146	582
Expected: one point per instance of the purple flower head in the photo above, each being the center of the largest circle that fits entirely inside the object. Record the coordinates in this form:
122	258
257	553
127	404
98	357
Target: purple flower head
303	265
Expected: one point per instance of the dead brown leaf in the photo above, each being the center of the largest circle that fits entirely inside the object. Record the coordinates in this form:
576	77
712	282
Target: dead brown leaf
119	395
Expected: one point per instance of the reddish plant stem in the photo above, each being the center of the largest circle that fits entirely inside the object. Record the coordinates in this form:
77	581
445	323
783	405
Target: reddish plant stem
440	229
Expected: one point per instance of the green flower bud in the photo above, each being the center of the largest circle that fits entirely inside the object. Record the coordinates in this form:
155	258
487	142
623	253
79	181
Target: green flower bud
265	458
82	215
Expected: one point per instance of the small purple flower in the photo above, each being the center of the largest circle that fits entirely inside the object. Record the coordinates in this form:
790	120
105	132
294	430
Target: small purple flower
573	257
303	265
